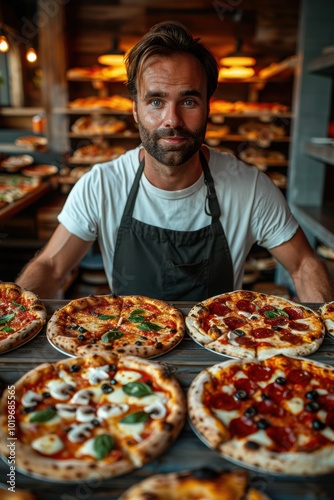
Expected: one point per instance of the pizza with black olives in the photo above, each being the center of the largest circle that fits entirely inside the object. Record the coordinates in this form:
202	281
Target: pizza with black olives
126	325
92	415
276	414
247	324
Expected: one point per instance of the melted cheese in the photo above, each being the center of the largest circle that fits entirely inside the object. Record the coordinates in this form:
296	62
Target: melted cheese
226	416
294	405
133	430
87	449
127	376
260	437
49	444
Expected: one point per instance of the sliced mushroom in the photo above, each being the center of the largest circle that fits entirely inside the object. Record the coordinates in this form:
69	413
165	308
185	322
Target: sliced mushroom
66	411
85	414
95	374
112	410
82	397
61	391
156	409
79	432
31	398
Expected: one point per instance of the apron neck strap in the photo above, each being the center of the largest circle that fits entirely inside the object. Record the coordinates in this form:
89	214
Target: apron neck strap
211	203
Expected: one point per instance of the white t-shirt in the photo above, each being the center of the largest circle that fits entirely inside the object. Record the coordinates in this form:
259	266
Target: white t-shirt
253	210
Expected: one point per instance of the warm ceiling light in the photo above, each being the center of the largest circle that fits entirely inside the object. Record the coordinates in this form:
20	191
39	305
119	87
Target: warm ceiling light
114	56
237	72
4	45
238	57
31	55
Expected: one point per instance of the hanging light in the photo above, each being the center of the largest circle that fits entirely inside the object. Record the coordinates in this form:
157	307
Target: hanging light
31	55
114	56
4	44
238	57
235	72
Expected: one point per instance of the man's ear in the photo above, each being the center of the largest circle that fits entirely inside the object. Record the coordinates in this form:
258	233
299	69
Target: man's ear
134	111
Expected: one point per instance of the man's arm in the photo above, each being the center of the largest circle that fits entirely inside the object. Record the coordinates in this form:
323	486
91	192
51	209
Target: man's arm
45	274
309	273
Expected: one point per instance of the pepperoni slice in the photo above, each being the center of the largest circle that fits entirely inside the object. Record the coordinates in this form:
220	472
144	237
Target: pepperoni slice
269	407
224	402
234	323
266	308
245	305
242	426
246	342
244	384
280	321
294	312
300	327
301	377
327	402
283	437
219	309
277	392
291	338
257	372
262	333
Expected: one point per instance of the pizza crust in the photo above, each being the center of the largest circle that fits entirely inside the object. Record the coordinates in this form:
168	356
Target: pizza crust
130	451
327	313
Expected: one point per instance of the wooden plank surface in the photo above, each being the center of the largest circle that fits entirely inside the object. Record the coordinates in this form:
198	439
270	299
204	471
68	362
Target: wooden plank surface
188	452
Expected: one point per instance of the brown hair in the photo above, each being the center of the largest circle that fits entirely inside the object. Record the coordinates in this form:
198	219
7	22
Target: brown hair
167	38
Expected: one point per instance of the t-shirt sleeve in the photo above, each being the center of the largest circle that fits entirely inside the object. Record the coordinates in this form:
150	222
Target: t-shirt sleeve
79	213
274	222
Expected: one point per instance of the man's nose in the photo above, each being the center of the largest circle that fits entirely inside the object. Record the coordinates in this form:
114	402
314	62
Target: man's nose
173	117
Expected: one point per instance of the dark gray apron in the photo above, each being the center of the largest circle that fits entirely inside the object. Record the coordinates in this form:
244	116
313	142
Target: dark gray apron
172	265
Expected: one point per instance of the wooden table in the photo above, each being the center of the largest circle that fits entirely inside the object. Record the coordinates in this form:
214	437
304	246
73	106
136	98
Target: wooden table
188	452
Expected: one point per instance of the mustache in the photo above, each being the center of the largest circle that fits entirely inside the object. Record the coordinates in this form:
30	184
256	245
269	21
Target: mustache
172	132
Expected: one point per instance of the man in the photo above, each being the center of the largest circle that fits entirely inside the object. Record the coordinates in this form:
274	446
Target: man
175	219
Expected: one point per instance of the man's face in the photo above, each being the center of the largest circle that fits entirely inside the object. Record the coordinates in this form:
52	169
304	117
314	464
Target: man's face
171	108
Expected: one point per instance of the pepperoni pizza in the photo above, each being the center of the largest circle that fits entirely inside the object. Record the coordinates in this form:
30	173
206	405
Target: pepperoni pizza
246	324
276	414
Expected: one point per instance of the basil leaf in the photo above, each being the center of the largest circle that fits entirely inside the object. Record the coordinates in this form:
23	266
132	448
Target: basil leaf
275	313
135	418
103	444
137	311
43	415
106	316
111	335
149	327
22	307
7	329
6	318
137	389
136	319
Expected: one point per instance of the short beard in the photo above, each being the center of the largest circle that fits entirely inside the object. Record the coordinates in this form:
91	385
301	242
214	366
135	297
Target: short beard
171	156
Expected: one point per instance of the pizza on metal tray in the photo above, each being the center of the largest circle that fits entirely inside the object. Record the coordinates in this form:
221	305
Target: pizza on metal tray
92	415
276	414
131	324
327	313
22	316
247	324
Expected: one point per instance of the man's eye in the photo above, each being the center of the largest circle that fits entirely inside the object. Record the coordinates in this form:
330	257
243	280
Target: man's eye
189	102
156	102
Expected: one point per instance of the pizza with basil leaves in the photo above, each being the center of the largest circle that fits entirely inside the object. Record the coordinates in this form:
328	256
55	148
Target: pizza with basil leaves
22	316
91	416
126	325
247	324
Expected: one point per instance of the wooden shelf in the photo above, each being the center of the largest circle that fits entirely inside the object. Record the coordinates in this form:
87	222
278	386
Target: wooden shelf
16	206
90	111
11	111
321	152
254	114
318	220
